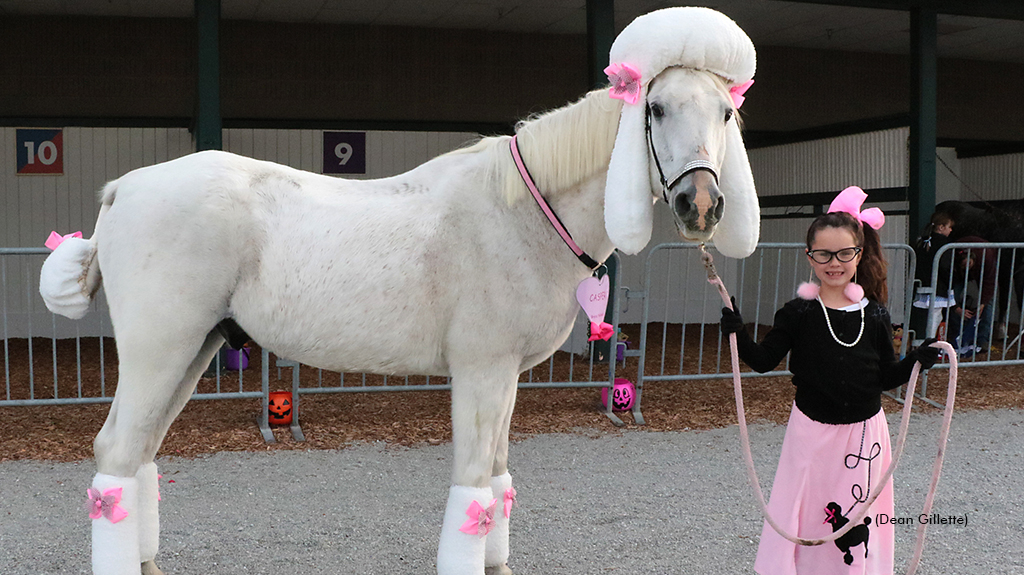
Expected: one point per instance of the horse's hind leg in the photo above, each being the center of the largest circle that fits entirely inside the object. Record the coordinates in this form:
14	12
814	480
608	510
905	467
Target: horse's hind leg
152	389
479	399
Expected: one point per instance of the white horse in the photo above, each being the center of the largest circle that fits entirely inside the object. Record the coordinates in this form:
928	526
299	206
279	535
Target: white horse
450	269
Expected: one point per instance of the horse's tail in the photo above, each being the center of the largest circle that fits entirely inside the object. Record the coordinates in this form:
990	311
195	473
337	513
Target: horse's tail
70	275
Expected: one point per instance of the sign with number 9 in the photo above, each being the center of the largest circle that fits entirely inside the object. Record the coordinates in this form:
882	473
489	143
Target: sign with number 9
344	153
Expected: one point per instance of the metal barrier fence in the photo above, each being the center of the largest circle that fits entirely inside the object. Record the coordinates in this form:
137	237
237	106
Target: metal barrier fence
79	357
48	360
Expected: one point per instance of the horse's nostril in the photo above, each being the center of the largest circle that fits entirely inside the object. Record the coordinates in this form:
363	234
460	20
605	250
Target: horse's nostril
719	208
682	206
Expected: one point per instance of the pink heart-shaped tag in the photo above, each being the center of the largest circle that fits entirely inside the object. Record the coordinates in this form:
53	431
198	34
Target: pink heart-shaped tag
592	295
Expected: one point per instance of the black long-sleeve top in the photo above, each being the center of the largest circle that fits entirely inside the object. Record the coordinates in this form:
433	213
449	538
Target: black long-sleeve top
834	384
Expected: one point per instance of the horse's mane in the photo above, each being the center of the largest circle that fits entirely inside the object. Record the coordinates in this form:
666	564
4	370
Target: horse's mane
560	147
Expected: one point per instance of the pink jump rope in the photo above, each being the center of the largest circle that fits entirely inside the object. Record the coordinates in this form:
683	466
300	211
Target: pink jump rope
897	452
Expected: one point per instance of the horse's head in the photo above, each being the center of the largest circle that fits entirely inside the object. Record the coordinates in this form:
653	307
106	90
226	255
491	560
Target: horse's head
687	115
679	137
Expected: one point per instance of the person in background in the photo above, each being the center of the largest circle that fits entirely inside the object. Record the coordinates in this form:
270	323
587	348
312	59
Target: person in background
931	241
969	324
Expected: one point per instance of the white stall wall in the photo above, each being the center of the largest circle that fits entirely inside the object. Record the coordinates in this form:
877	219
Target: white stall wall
32	206
992	178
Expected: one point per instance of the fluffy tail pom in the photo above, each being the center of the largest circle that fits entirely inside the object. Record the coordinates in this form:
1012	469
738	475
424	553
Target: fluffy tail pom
69	278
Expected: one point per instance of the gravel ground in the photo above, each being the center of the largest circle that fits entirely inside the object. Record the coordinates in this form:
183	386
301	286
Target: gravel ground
634	502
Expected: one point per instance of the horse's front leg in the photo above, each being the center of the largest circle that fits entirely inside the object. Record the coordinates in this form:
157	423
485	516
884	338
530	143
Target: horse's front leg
480	402
496	556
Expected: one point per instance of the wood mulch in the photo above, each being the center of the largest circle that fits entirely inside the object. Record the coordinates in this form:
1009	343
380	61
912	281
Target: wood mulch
409	418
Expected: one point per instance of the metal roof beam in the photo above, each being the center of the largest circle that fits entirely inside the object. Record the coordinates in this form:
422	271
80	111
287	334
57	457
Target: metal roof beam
1002	9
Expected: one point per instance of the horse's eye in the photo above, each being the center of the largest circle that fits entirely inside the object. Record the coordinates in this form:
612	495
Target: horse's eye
728	114
657	111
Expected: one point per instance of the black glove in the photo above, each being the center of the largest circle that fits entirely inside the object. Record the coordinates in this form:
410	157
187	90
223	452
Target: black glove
732	322
925	354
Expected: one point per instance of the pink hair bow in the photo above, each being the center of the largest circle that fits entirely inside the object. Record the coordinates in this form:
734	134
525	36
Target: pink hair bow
510	498
625	81
601	330
56	239
850	201
105	504
737	92
480	520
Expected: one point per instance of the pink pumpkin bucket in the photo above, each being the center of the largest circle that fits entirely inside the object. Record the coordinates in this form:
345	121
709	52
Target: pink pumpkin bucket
623	395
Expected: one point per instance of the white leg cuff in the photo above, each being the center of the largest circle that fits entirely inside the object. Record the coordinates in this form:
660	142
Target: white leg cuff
149	511
461	553
497	540
115	546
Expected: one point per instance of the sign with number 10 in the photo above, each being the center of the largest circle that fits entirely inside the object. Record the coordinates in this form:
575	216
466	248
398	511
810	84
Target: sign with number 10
40	151
344	153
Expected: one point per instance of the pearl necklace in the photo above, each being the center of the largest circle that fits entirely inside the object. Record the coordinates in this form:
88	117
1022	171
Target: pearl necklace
831	331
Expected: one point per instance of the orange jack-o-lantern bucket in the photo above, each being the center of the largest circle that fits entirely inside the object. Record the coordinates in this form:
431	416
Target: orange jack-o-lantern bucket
280	408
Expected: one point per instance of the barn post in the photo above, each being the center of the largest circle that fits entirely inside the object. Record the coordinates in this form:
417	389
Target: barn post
600	35
923	116
207	120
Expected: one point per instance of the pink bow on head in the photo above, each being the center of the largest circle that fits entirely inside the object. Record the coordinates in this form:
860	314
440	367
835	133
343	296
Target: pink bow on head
480	520
737	92
625	81
510	498
56	239
850	201
105	504
601	331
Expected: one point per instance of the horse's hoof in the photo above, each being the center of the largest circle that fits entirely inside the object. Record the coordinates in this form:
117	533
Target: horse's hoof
498	570
150	568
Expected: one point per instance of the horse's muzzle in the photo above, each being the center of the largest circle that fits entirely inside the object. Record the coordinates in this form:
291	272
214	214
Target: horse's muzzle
697	205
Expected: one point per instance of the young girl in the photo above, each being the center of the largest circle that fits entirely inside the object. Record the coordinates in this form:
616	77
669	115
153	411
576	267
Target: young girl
839	337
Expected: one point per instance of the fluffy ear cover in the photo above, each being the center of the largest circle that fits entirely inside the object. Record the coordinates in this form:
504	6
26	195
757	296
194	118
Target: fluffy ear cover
740	227
628	201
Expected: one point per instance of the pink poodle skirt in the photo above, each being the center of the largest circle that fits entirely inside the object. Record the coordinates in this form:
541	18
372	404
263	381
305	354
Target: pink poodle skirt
825	474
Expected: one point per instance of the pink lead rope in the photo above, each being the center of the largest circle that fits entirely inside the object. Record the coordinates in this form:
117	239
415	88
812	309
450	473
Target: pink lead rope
904	424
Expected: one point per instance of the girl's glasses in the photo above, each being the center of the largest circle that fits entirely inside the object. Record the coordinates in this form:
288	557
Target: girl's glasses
825	256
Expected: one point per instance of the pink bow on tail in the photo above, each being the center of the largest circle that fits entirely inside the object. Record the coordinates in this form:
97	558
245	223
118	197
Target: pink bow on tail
625	81
737	92
56	239
601	330
480	520
105	504
850	201
510	498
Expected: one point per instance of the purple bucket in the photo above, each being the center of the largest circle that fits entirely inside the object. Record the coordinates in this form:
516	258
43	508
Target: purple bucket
620	351
235	359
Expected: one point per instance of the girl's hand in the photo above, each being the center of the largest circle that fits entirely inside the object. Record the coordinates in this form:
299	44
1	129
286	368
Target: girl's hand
732	322
926	355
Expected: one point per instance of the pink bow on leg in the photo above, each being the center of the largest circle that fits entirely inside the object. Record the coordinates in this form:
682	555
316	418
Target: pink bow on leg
56	239
105	504
481	520
510	498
